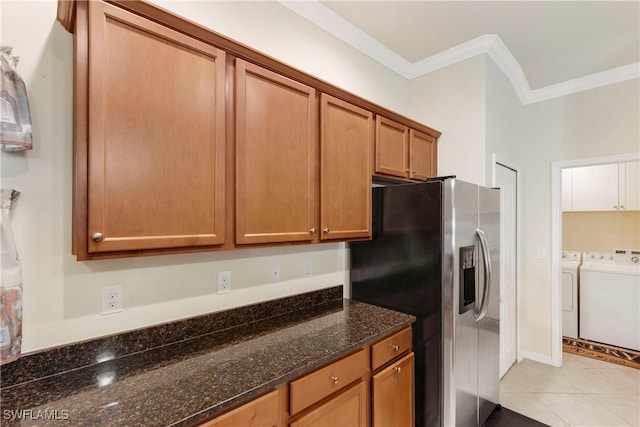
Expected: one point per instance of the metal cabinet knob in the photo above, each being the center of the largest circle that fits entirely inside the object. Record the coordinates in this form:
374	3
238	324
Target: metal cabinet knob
97	237
335	379
396	347
325	230
622	207
398	369
313	231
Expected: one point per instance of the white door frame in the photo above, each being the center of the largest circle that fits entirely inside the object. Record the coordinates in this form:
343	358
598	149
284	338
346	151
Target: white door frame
497	159
556	241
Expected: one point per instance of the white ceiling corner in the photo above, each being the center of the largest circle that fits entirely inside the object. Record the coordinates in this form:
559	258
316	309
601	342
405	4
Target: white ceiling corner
489	44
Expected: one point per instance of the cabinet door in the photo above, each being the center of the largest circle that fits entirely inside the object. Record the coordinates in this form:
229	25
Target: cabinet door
392	148
393	395
567	189
260	412
629	191
595	188
346	143
276	161
422	155
348	409
156	136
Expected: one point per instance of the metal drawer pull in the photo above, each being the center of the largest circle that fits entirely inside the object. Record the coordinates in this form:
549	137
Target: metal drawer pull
396	347
335	379
398	369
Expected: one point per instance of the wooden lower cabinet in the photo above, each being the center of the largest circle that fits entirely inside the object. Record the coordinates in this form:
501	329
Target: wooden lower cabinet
341	394
261	412
392	391
348	409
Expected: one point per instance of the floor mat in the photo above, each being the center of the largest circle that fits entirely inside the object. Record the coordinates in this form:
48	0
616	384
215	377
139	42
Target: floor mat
604	352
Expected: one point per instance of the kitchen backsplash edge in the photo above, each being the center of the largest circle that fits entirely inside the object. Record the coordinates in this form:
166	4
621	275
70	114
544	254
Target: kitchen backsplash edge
85	353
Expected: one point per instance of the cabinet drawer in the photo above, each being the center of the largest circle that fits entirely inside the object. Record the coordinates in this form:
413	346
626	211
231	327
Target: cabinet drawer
389	348
319	384
262	411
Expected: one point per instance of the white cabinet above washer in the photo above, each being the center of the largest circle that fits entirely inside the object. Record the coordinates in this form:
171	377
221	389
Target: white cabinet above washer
611	187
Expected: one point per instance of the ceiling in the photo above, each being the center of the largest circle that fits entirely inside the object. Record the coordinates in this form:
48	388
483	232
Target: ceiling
546	48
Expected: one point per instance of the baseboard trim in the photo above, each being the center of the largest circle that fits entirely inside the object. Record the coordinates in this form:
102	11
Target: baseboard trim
537	357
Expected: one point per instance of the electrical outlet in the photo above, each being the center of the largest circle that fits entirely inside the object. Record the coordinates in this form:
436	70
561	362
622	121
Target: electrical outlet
224	282
111	301
275	273
308	269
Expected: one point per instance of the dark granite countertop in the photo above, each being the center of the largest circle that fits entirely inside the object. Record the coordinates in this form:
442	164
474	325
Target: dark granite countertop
189	380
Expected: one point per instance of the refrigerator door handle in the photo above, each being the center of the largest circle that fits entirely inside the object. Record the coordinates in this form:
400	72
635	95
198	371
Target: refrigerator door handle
484	246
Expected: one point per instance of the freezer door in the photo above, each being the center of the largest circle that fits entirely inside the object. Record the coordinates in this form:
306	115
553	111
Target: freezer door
460	338
489	325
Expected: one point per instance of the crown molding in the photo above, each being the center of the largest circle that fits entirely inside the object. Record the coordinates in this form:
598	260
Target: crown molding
336	25
593	81
489	44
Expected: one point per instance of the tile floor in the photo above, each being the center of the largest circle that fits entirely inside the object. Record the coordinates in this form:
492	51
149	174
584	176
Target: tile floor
583	392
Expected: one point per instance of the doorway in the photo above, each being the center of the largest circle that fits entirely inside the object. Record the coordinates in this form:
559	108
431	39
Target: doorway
556	241
506	177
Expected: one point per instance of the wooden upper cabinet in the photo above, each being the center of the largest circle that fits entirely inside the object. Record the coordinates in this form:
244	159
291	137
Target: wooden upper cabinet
422	155
181	146
392	148
276	143
346	144
156	134
404	152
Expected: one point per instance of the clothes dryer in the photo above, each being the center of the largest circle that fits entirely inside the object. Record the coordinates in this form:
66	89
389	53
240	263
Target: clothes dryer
570	288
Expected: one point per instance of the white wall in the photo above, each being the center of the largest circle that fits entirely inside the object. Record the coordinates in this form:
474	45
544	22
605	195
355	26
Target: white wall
273	29
453	100
504	120
61	295
599	122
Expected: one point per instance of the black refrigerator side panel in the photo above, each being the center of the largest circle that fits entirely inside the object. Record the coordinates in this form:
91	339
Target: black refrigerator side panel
400	269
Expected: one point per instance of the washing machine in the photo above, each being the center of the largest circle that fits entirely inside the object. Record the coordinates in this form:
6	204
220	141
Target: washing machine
610	299
570	278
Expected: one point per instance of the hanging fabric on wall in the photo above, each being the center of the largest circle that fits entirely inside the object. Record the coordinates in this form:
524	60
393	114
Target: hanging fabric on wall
10	283
15	117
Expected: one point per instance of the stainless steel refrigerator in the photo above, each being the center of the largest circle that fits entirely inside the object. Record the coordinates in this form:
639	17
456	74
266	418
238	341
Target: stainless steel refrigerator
435	254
